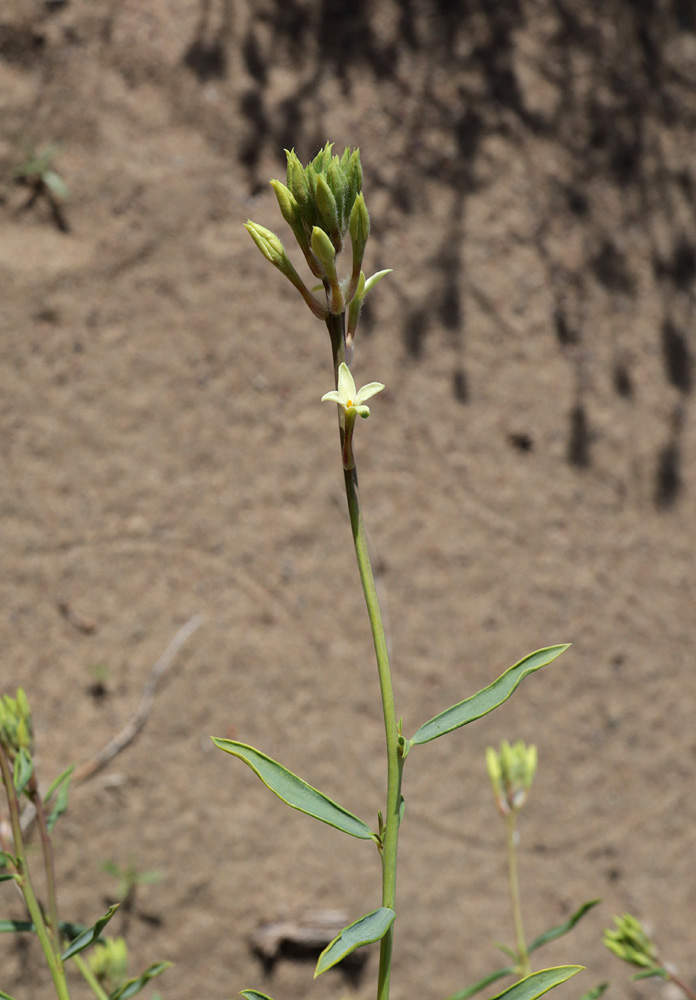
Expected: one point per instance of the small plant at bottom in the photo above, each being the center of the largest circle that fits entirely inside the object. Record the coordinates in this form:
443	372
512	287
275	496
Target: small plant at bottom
129	878
38	174
61	942
630	942
511	771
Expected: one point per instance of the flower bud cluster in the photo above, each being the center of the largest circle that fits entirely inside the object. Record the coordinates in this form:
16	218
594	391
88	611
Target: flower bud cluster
15	724
511	772
630	942
109	962
323	204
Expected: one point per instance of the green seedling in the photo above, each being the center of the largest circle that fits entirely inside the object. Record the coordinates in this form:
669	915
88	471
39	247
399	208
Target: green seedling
129	878
37	173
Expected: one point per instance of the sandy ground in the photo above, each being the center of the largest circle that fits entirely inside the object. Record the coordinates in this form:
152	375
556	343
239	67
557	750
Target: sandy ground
528	474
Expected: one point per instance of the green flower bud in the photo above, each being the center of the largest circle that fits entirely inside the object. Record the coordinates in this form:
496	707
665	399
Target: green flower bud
291	212
109	962
328	212
354	176
511	772
359	232
274	251
323	158
338	183
629	942
268	243
296	179
15	724
287	203
359	224
323	250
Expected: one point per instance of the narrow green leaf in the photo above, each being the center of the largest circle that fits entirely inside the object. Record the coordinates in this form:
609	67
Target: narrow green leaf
254	995
596	993
366	930
6	876
55	184
68	930
561	929
61	785
508	952
15	926
5	996
57	782
133	986
539	983
485	701
482	983
296	792
649	973
23	770
89	936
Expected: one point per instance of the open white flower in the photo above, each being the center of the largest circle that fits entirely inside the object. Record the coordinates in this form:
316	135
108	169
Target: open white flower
352	400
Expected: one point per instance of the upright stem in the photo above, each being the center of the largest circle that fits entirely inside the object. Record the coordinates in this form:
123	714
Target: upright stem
336	326
53	959
394	759
522	955
50	869
90	978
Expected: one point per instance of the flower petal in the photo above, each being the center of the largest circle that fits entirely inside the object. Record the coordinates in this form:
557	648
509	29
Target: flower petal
346	384
331	397
371	389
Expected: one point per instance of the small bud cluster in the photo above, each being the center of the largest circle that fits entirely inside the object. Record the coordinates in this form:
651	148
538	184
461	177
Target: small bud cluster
323	203
630	942
15	724
109	962
511	772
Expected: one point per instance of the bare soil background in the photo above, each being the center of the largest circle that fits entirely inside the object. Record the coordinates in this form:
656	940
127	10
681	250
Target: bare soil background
528	474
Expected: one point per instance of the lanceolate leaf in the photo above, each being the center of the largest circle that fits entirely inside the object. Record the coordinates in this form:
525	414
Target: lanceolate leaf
296	792
89	936
133	986
23	770
485	701
482	983
366	930
596	993
68	930
254	995
15	926
539	983
6	876
60	788
561	929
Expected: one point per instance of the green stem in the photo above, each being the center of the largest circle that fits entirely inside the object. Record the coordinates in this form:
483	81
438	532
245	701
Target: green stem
90	978
682	986
522	955
395	762
53	959
50	868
